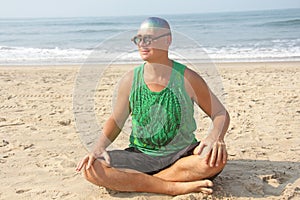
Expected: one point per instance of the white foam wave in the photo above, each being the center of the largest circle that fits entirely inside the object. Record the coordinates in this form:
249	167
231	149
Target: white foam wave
22	55
56	56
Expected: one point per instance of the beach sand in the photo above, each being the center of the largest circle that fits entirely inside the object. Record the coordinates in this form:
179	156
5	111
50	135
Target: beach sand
40	144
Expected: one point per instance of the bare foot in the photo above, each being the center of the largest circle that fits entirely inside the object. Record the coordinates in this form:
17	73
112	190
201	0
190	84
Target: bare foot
203	186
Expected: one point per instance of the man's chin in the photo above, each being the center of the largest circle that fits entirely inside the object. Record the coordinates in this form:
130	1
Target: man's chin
145	58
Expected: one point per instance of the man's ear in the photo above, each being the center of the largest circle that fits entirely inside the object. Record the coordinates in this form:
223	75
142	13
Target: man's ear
169	40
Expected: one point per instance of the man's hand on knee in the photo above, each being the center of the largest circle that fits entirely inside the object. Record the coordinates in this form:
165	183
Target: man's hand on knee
214	152
89	159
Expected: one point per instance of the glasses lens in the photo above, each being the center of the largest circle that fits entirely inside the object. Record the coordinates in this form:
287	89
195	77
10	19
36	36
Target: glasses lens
147	40
137	40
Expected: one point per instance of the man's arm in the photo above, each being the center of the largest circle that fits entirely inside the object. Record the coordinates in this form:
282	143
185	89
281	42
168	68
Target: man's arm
120	113
210	104
113	125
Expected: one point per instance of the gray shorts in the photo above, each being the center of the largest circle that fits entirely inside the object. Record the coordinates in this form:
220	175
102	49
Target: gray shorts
132	158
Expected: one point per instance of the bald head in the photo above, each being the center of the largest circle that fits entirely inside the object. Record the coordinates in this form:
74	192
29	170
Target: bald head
155	22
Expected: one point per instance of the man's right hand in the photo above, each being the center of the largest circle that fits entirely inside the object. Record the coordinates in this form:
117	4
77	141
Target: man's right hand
89	159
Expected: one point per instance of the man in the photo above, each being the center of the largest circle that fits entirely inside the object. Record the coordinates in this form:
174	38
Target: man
164	155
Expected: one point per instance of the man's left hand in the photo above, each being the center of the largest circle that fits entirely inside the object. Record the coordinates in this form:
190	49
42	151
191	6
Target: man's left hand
216	150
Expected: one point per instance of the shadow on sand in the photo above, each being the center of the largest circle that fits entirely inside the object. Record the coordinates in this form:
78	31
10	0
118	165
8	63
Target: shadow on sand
258	179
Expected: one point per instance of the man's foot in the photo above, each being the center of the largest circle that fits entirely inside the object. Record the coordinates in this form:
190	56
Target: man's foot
203	186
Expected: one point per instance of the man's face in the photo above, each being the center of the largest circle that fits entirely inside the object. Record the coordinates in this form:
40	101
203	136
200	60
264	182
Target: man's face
152	43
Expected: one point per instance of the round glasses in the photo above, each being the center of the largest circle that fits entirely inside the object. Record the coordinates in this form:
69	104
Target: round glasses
147	39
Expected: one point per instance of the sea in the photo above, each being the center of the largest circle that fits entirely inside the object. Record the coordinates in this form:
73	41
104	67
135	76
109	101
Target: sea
269	35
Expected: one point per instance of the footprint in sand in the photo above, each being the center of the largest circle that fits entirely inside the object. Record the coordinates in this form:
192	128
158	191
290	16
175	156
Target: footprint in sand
275	180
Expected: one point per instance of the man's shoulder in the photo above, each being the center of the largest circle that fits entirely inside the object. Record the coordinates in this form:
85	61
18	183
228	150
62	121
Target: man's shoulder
188	72
126	79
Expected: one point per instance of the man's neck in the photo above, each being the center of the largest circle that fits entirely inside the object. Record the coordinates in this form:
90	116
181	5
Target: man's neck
158	68
157	75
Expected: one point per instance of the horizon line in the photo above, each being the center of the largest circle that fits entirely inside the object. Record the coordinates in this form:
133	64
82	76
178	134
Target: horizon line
158	14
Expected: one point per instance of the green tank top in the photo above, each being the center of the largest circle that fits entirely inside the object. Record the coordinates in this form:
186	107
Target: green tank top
162	122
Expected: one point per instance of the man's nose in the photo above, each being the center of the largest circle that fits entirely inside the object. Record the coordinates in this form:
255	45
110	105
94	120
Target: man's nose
142	44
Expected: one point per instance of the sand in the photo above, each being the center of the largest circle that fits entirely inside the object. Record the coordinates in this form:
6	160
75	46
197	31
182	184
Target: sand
40	144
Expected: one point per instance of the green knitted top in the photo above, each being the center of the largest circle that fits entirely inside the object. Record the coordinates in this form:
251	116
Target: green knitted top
162	122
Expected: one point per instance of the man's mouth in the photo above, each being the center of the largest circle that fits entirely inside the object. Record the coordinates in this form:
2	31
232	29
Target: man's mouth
144	51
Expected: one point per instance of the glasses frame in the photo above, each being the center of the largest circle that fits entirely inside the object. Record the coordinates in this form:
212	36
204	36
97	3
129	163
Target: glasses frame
151	39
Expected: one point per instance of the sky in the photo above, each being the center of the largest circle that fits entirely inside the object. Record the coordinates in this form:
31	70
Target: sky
88	8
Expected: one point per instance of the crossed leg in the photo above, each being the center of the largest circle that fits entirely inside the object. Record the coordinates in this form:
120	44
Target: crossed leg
190	168
133	181
185	176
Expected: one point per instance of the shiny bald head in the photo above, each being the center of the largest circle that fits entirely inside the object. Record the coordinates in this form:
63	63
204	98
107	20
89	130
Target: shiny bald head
155	22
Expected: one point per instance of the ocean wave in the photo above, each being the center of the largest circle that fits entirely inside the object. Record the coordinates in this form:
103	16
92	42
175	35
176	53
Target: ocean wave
22	55
84	24
96	31
283	23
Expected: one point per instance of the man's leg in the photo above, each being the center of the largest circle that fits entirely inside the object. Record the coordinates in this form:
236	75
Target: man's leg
102	175
190	168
